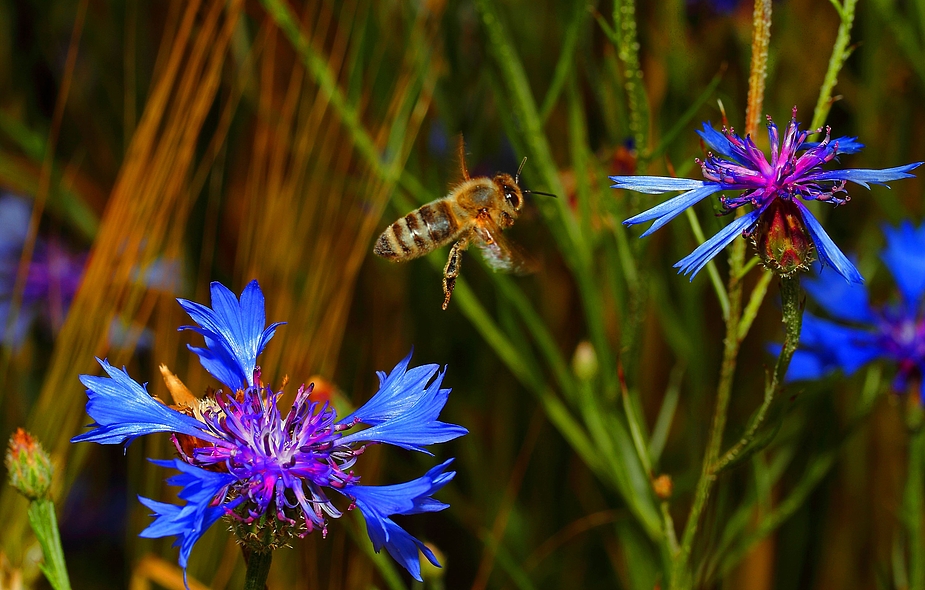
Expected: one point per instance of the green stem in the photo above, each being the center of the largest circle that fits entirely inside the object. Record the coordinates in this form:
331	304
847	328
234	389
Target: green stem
840	53
793	323
258	568
624	16
681	575
45	526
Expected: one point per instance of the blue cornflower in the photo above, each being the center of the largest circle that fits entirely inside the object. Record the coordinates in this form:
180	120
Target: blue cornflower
269	474
783	228
894	331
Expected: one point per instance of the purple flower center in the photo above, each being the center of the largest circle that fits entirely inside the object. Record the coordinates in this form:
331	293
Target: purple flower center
281	461
902	337
787	175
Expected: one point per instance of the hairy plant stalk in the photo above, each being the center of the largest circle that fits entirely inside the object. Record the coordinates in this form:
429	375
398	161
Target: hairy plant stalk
681	576
45	526
258	568
758	73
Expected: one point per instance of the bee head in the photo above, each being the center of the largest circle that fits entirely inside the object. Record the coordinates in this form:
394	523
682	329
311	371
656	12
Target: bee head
513	196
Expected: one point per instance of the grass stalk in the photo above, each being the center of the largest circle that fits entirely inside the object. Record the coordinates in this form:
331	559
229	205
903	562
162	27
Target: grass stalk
840	53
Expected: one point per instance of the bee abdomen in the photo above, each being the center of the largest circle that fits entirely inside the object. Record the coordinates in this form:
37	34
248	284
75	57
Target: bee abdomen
417	233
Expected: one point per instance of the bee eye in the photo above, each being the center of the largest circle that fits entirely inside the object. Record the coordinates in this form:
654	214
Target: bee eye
512	198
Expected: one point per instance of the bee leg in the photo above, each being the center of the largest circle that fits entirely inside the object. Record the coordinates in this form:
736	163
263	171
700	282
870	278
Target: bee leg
451	270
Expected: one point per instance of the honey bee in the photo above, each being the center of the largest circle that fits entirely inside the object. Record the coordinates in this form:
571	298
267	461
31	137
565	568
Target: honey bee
475	211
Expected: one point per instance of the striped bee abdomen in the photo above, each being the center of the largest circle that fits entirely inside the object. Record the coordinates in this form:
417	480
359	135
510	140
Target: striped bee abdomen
419	232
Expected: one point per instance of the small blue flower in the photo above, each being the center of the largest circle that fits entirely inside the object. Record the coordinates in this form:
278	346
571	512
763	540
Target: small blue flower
794	170
895	332
240	458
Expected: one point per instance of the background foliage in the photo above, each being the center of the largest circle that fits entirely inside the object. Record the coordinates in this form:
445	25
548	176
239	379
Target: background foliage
211	140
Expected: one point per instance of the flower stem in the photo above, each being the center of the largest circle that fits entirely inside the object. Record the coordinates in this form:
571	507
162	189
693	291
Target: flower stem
45	526
258	568
624	15
761	38
792	312
681	575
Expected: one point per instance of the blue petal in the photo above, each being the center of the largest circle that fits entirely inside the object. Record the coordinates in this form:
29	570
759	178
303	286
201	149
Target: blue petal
846	145
840	299
865	177
378	503
665	212
123	410
705	252
904	255
721	144
398	391
407	415
190	521
826	346
828	251
807	366
846	348
234	333
655	185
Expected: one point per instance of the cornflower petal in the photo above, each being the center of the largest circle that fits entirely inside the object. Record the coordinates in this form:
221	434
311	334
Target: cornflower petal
828	251
398	391
655	185
826	346
671	208
846	145
200	490
905	257
234	333
721	144
705	252
805	366
841	299
416	427
379	503
865	176
122	409
895	331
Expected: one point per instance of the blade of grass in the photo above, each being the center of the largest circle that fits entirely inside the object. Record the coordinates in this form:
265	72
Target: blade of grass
666	414
566	60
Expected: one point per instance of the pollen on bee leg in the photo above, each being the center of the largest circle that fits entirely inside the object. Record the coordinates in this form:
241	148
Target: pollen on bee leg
451	270
178	391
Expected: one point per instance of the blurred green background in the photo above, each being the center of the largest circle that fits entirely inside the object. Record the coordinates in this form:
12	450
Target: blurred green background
181	142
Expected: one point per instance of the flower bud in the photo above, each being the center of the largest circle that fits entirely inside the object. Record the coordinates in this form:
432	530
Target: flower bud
782	241
584	361
663	486
28	465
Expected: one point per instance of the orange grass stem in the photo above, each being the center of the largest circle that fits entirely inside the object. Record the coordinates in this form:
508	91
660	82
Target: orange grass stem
761	38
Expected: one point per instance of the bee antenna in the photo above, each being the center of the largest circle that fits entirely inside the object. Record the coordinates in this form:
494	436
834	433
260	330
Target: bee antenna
529	192
519	170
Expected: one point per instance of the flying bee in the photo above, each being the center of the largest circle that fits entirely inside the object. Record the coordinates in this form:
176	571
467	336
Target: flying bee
475	211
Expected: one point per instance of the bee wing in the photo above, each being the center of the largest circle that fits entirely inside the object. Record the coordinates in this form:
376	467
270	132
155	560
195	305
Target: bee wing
500	253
